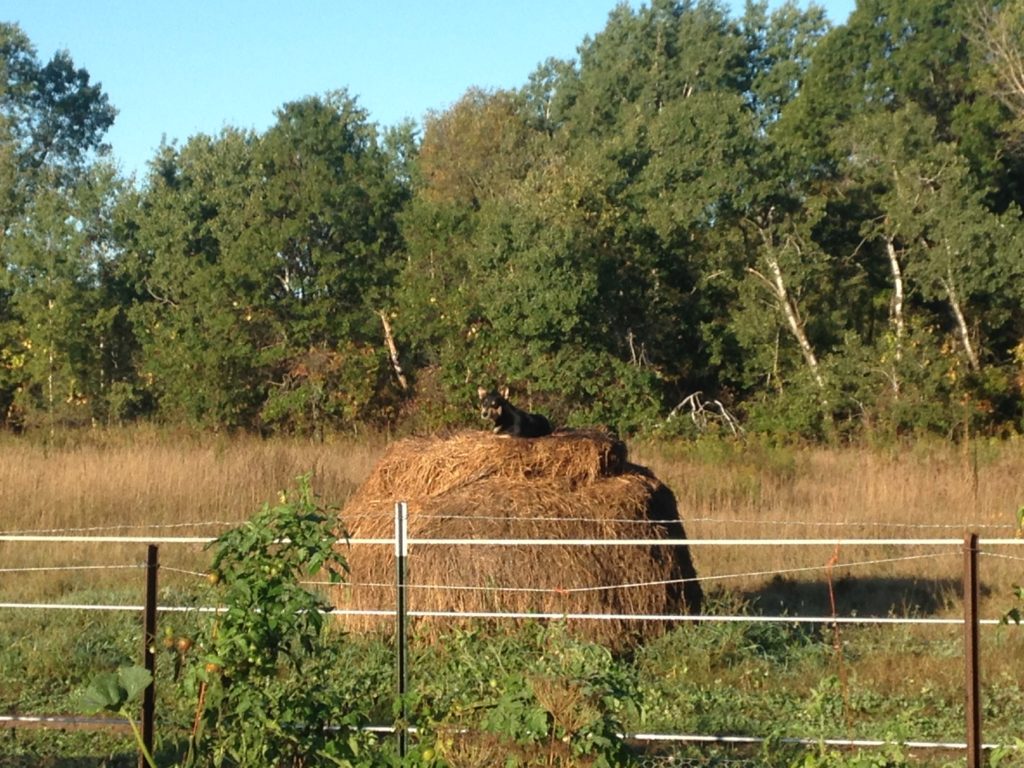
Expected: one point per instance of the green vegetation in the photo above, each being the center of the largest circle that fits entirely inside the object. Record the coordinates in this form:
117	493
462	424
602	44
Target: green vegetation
536	692
261	682
273	681
120	693
819	228
702	223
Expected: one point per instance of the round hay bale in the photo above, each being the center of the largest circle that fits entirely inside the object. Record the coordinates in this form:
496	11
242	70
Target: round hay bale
420	467
472	485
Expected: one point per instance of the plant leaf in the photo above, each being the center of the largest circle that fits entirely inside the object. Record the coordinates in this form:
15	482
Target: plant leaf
103	693
134	680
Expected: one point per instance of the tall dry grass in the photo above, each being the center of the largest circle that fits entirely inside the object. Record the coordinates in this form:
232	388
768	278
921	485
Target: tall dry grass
927	484
146	482
140	481
917	491
143	481
925	490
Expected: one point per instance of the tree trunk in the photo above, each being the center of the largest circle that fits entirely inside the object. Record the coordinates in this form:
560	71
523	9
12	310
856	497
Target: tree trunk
777	284
389	339
961	323
896	308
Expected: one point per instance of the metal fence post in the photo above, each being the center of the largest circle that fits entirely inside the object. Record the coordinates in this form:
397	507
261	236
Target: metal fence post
149	652
971	672
401	552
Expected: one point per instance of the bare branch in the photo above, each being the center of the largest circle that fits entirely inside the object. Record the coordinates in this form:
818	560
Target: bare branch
999	33
702	412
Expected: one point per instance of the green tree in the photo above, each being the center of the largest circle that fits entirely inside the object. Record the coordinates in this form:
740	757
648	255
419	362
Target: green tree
655	116
54	115
55	237
195	316
996	32
511	271
265	263
892	53
780	48
58	256
465	162
573	237
327	224
904	147
690	160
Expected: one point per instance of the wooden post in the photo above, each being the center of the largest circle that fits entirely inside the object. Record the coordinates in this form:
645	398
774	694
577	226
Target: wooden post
149	653
971	673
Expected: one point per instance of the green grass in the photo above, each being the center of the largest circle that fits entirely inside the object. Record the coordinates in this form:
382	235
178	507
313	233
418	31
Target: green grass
767	680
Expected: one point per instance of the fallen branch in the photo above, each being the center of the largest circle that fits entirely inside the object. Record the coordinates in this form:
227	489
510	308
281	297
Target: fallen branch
702	412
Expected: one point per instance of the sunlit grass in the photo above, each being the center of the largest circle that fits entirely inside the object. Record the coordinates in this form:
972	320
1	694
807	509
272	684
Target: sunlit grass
905	682
145	481
748	490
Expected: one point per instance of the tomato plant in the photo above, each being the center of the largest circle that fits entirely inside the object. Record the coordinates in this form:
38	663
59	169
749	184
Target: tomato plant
260	679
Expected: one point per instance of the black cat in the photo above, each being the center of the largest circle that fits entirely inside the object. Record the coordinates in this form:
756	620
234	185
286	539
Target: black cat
509	420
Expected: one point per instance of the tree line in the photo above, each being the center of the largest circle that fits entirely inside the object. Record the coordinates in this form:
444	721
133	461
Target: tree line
702	222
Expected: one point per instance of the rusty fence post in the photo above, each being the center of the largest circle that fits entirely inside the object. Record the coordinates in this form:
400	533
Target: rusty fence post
149	653
971	673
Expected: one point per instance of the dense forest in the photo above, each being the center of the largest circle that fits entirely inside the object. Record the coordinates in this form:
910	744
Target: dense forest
703	222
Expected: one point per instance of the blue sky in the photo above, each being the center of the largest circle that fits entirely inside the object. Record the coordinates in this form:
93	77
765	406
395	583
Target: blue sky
196	66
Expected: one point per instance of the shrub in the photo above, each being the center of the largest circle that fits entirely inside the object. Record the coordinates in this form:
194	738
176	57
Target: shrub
261	677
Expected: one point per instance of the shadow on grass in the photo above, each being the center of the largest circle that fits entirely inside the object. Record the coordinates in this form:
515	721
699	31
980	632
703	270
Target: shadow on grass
865	597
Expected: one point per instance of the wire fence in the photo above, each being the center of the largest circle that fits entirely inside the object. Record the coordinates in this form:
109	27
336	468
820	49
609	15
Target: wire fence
948	547
952	547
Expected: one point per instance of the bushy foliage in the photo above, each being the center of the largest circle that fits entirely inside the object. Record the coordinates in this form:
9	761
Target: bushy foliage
262	676
538	697
818	227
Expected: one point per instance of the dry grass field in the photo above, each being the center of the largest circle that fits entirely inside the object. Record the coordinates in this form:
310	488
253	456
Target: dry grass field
148	482
922	491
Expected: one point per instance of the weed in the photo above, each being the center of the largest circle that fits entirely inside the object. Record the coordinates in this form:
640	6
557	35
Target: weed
260	680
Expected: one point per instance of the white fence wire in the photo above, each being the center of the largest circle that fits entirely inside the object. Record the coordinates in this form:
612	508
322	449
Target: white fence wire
952	546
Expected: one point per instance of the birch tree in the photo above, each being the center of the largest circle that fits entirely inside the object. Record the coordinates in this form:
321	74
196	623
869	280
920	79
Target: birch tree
997	30
942	243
